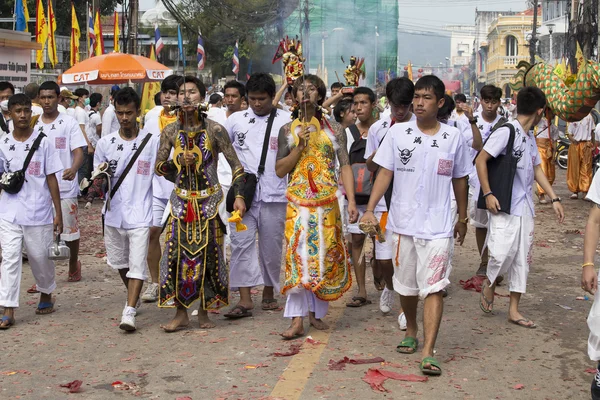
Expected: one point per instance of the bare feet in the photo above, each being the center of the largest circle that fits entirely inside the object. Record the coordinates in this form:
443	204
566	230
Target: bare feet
204	321
181	321
317	323
295	330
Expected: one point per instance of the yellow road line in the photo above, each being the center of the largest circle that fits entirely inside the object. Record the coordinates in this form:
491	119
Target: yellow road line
296	375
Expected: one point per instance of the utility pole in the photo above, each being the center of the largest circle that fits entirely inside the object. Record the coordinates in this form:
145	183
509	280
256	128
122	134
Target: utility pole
134	10
533	41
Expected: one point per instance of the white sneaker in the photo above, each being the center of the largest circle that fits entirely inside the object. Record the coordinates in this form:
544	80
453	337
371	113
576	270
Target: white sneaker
386	301
128	319
151	293
402	321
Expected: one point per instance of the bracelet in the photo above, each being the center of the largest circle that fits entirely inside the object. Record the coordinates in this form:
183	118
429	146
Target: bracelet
487	194
371	211
588	264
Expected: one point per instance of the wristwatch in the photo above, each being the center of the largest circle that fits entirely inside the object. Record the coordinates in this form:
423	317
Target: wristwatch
473	121
557	199
464	221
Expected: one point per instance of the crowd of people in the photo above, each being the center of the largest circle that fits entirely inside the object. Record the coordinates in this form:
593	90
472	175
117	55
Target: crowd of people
290	174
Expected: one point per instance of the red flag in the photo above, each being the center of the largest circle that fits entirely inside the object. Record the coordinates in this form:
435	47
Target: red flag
279	52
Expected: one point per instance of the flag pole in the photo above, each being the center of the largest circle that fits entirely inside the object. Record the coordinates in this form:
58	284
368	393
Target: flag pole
15	16
87	28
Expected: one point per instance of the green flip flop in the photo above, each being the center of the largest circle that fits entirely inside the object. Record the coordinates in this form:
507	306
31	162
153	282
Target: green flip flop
408	345
433	363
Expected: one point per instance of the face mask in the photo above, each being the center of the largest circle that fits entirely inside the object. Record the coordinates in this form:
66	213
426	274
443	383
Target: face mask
86	102
71	103
4	105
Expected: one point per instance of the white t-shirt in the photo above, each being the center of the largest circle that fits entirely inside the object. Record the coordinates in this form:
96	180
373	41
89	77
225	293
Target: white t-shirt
152	114
131	206
62	109
217	114
81	116
110	123
71	112
526	151
65	136
90	129
32	206
247	134
423	167
161	187
36	110
542	130
593	193
582	130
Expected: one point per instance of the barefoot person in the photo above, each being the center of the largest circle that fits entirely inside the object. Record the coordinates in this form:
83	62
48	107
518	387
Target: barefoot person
316	259
510	237
128	209
192	266
26	216
426	160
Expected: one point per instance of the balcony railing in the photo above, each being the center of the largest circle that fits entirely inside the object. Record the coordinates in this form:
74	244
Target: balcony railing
513	60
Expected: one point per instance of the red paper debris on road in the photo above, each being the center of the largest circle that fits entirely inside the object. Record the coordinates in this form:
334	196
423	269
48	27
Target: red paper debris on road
341	364
294	349
375	378
74	387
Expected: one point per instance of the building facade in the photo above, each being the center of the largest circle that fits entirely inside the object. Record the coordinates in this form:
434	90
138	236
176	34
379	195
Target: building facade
553	31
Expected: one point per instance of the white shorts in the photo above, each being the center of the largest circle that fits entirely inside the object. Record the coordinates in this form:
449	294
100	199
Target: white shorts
510	244
477	216
70	219
128	248
421	266
158	210
593	322
383	251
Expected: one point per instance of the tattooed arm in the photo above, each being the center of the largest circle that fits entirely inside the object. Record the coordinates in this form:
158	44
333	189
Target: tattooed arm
221	143
164	166
345	169
288	154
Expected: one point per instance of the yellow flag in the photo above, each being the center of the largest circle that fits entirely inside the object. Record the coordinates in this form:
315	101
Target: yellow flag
410	72
579	57
75	35
150	90
98	33
561	70
116	46
41	32
52	55
26	13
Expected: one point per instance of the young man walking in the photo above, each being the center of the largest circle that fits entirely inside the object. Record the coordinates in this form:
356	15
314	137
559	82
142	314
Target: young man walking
579	164
510	237
251	266
129	217
67	140
426	160
26	216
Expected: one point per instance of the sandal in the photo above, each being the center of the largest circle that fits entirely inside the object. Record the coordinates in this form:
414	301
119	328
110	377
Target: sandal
45	308
488	303
33	289
244	312
75	276
361	302
6	318
410	344
432	363
523	322
269	304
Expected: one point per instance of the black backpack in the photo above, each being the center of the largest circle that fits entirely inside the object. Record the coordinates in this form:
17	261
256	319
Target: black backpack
363	178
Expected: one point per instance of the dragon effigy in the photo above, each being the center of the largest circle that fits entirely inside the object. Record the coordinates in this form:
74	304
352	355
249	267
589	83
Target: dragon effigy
572	97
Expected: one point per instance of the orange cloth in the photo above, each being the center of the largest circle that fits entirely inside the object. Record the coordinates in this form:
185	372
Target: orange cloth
579	167
545	150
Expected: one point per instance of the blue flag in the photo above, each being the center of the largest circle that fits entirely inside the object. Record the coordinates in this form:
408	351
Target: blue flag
21	24
180	45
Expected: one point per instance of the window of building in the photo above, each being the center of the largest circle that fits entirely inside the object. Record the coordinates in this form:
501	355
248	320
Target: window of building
511	46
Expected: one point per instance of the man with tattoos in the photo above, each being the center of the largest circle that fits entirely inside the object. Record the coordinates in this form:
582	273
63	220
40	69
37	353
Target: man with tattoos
248	132
192	266
316	256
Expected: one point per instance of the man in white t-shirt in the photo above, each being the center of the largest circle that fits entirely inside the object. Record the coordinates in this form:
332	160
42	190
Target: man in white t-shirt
460	102
31	90
127	223
64	102
93	128
545	136
579	164
510	236
476	130
426	160
399	92
66	139
110	123
7	89
215	110
266	214
26	216
161	187
82	117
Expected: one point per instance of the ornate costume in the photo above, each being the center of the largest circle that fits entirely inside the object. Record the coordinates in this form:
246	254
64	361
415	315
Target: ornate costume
316	256
192	266
293	61
353	71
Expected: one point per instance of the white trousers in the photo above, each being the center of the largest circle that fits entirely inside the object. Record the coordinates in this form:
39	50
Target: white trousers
509	243
301	301
37	239
247	268
128	248
593	322
224	217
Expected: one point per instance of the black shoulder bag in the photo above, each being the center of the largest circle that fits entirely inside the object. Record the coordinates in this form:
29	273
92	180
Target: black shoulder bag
501	174
249	181
12	182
